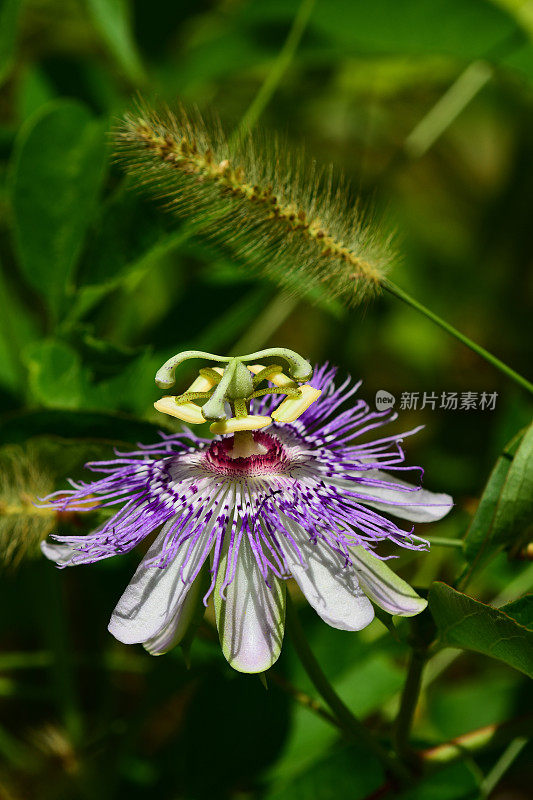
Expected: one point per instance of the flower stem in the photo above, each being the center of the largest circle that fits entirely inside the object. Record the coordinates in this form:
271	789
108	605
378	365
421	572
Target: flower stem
502	765
410	694
266	324
444	541
348	722
279	67
403	295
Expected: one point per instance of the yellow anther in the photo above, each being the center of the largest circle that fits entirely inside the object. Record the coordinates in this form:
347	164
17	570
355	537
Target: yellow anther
249	423
293	407
188	412
201	384
278	379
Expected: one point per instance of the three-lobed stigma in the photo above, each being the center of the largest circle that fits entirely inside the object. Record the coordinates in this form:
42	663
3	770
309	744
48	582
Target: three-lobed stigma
234	386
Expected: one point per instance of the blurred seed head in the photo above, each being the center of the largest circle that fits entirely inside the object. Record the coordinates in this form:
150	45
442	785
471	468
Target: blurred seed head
28	473
22	524
276	211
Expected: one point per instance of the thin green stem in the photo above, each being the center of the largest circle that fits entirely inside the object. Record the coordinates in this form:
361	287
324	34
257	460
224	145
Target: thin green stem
444	541
410	301
353	727
279	67
409	701
446	110
280	307
502	765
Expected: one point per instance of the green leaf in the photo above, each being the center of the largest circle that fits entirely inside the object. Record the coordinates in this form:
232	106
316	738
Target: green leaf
466	623
412	26
17	330
347	772
56	376
483	703
521	610
9	15
483	537
454	782
130	233
56	174
128	390
521	11
112	18
118	428
514	513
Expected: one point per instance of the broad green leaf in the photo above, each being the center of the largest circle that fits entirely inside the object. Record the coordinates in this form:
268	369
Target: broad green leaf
346	772
521	610
453	782
412	26
112	18
514	513
521	10
9	15
17	330
480	539
130	232
466	623
132	389
121	378
56	174
119	428
57	378
482	703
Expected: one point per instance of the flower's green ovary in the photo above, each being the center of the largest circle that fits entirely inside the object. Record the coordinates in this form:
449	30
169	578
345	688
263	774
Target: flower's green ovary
214	410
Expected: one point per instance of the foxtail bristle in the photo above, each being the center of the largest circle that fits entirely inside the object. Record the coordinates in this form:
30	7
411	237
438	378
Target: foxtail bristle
272	210
22	523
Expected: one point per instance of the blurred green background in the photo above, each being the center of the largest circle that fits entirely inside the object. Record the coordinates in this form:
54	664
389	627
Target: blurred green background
427	108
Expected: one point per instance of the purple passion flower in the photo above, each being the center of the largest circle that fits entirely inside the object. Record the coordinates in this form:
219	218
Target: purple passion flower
309	500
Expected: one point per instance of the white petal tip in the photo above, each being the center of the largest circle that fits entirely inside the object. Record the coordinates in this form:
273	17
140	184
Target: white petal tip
252	666
60	554
124	633
416	606
355	622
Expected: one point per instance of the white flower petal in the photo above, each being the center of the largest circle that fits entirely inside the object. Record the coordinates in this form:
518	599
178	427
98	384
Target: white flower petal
384	587
331	588
416	506
60	553
251	620
173	632
155	595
